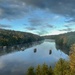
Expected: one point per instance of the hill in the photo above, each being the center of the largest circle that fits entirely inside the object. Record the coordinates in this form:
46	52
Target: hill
11	37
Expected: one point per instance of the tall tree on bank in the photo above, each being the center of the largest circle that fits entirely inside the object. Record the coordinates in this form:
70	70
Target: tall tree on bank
62	68
72	58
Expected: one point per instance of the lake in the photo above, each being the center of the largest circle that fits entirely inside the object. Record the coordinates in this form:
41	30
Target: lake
17	62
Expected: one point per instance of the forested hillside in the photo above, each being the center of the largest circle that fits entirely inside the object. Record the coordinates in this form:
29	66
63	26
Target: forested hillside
9	37
64	40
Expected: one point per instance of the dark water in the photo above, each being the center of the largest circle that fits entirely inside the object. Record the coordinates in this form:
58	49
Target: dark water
17	62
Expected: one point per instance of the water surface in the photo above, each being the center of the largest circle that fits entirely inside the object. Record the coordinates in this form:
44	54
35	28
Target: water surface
17	62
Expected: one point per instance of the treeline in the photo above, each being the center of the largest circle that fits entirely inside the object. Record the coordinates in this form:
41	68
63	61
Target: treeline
66	40
61	68
9	37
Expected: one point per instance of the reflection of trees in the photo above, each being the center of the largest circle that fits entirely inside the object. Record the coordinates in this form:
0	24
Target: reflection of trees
35	50
64	49
50	51
21	47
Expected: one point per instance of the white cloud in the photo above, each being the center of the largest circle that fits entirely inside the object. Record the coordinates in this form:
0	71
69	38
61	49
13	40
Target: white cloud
56	32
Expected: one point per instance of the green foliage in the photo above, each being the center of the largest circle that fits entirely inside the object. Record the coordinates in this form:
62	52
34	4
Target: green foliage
50	71
72	58
62	68
31	71
38	70
41	70
44	69
9	38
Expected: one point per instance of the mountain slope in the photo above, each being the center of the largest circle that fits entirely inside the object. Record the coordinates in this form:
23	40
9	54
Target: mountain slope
9	37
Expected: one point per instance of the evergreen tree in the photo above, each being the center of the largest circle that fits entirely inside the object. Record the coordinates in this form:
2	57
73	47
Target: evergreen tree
38	70
50	71
31	71
62	68
72	58
44	69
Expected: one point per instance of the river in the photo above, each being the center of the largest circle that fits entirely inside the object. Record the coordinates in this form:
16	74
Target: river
17	62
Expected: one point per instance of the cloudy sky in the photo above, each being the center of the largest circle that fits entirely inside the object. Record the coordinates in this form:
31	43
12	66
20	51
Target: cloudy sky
42	17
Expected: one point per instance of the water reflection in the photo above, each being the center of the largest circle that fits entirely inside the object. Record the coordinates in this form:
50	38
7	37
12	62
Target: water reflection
18	62
64	49
50	51
35	50
21	47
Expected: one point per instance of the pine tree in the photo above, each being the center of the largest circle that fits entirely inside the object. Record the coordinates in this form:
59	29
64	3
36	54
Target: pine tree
72	58
38	70
50	71
44	69
62	68
31	71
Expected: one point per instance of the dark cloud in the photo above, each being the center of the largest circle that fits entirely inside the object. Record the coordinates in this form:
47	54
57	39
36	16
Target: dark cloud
38	22
5	26
19	8
11	9
39	29
35	21
62	7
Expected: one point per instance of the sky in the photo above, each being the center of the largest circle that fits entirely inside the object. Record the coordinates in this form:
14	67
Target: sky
42	17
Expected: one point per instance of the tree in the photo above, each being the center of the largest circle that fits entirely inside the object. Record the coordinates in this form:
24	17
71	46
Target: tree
44	69
72	58
50	71
38	70
62	68
31	71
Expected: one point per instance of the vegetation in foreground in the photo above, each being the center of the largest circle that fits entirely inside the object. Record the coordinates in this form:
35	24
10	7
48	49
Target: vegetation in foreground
62	67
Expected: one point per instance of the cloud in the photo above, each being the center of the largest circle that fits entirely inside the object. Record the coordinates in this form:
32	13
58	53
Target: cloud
36	22
50	26
56	32
66	29
70	24
70	20
5	26
38	27
41	32
62	7
19	8
39	22
12	9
